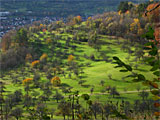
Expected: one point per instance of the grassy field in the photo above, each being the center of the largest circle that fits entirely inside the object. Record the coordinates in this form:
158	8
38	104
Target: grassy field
94	71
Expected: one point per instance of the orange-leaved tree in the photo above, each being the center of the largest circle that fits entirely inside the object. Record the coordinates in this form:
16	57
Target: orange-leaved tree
56	81
44	30
35	63
43	57
157	34
77	19
153	12
27	81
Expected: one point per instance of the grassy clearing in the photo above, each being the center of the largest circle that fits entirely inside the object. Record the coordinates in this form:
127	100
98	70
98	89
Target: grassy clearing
97	71
94	73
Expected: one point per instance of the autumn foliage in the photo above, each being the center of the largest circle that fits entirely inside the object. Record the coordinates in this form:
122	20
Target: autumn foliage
27	80
60	23
89	18
44	30
154	85
154	15
28	57
157	34
127	12
70	58
35	63
77	20
157	113
135	26
157	104
43	57
48	40
7	40
56	81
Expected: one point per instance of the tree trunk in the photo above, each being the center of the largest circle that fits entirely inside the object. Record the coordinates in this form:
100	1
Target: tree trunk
95	116
106	117
73	109
6	117
102	114
1	110
64	117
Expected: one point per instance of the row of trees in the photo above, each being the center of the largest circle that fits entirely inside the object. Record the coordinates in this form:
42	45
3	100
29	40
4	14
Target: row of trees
70	106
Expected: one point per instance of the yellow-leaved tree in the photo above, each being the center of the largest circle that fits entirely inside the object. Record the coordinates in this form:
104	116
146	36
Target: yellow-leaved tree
28	57
70	58
135	27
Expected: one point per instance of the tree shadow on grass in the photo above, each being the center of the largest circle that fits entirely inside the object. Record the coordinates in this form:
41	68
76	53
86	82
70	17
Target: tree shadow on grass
120	97
65	47
128	81
114	79
84	76
142	70
79	50
80	60
102	42
107	43
88	65
65	85
110	51
85	86
97	60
